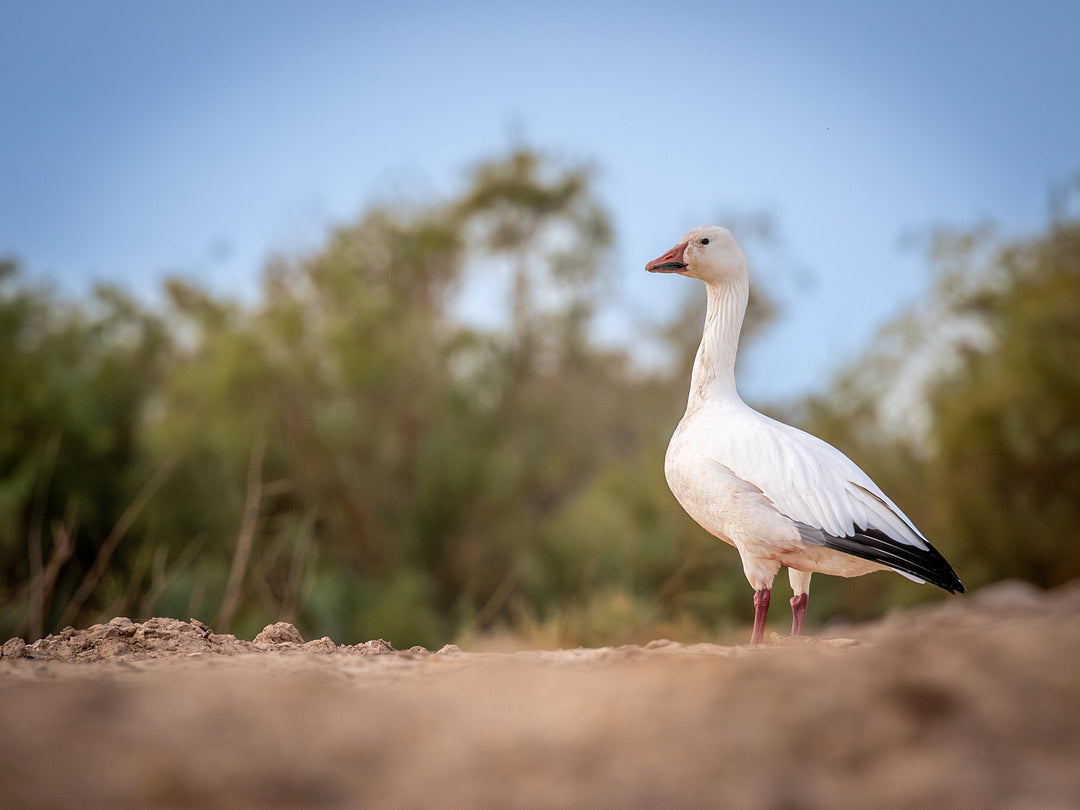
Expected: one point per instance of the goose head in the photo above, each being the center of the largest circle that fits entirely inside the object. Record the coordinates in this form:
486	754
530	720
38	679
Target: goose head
709	253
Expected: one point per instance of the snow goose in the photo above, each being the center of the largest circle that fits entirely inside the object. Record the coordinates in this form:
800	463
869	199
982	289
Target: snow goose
782	497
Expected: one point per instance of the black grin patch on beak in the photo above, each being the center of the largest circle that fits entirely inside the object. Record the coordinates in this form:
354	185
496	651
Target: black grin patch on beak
669	267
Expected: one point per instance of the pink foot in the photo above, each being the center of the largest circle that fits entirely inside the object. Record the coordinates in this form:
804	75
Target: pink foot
761	610
798	612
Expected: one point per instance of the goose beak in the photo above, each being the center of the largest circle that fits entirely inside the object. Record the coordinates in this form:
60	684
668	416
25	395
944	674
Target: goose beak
670	262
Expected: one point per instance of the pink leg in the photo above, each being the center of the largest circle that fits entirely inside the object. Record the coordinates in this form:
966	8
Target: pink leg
798	612
761	610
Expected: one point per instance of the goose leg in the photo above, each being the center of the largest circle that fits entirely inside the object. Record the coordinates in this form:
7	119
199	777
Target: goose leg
798	612
800	586
761	610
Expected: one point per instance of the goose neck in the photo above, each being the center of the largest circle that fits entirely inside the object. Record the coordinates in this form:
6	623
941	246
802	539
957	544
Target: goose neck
714	366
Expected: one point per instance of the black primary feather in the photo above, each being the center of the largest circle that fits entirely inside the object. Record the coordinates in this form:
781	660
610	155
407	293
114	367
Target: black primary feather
876	546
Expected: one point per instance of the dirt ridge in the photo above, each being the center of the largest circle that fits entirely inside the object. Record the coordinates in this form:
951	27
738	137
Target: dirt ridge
121	639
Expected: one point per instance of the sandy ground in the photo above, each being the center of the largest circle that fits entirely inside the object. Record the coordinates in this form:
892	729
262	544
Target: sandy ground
972	703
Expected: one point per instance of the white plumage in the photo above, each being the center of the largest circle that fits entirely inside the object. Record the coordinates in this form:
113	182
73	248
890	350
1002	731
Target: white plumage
782	497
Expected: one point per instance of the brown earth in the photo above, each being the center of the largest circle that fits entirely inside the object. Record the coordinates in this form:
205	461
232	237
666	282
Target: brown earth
971	703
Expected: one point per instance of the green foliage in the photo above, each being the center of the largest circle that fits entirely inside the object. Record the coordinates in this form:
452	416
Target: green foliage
1008	428
991	471
74	383
345	454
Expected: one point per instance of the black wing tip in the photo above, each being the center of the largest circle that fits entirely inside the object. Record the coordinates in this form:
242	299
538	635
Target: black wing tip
927	564
953	586
952	582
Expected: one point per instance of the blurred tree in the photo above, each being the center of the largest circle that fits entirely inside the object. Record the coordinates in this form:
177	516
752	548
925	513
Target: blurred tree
1006	440
365	464
345	453
301	419
545	219
74	381
966	412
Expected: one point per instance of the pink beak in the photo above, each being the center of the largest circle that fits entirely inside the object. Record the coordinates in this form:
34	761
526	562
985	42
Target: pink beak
670	262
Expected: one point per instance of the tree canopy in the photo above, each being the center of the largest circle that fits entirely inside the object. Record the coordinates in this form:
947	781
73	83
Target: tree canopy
986	448
346	453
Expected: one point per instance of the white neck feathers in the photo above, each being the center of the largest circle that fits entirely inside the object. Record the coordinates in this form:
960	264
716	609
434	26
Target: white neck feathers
714	366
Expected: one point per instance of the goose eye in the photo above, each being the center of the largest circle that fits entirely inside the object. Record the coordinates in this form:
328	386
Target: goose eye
705	241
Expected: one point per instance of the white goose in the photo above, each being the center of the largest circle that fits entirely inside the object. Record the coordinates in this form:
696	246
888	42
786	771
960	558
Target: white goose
782	497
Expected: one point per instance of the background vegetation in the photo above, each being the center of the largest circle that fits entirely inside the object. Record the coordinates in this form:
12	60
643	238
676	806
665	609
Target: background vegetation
344	453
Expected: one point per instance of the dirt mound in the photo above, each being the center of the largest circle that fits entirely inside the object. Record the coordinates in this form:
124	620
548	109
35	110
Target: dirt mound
124	640
968	703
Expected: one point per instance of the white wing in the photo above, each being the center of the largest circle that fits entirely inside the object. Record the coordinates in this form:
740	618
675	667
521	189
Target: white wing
831	501
812	482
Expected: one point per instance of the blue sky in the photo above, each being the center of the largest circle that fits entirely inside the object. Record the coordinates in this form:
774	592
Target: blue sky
141	139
